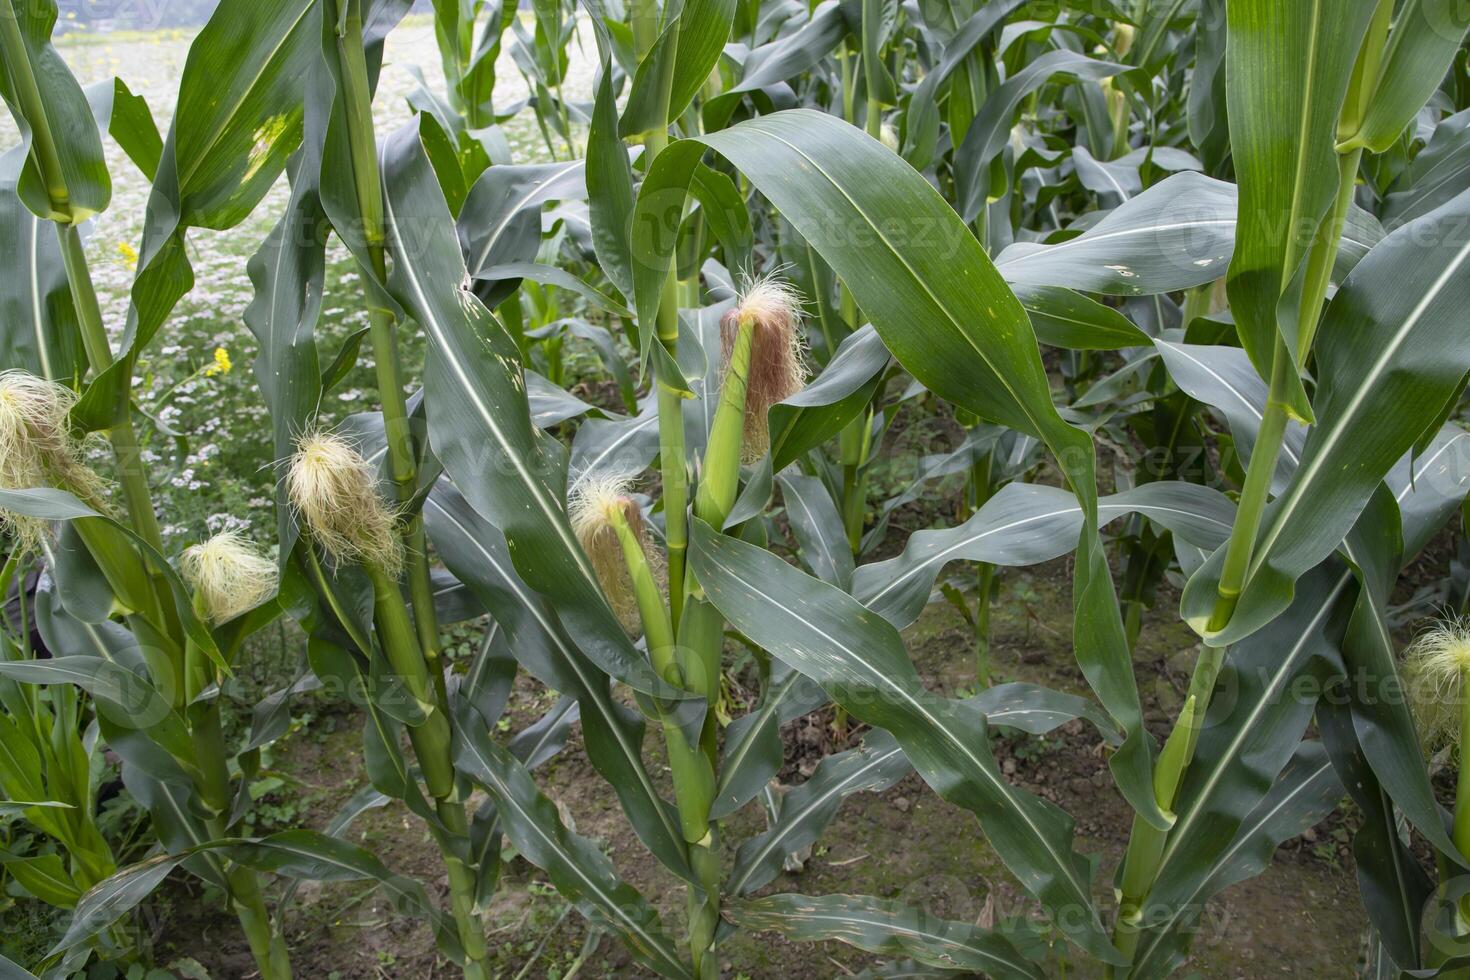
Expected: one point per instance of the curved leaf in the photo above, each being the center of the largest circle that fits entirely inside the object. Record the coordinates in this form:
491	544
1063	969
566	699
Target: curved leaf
941	308
1306	793
817	528
860	660
238	119
807	810
835	397
39	330
889	927
479	418
991	129
577	868
1026	524
1063	318
477	553
1426	34
753	750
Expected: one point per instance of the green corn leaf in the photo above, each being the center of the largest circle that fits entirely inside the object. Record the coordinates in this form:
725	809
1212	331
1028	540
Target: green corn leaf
39	330
65	175
1400	305
1426	35
783	58
129	699
238	119
613	446
577	868
704	27
1037	710
890	927
1287	67
1394	887
1276	675
1306	793
645	111
609	176
817	528
110	900
501	218
1224	378
991	129
753	751
1438	174
477	553
58	505
287	272
833	399
22	777
941	309
45	877
1178	234
806	810
1380	714
313	856
479	419
130	122
1063	318
10	970
921	128
859	659
1026	524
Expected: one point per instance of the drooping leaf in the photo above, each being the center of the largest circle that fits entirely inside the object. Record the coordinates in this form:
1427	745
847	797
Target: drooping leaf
859	660
1178	234
478	555
890	927
577	868
1026	524
479	419
941	309
807	810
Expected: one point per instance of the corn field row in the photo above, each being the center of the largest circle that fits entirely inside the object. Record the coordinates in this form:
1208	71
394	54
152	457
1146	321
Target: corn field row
1188	277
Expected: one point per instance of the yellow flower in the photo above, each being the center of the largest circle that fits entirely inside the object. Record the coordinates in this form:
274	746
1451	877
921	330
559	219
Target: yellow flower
129	254
221	363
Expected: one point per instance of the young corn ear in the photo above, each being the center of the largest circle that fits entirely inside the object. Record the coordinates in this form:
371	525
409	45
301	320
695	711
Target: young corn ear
777	356
333	490
593	505
37	448
1436	664
228	575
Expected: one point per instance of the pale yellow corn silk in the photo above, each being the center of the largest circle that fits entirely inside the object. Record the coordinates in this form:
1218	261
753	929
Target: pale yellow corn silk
1435	667
333	490
37	449
777	356
594	502
228	575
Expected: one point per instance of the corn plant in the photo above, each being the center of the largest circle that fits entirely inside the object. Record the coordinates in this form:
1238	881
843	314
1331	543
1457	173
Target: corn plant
1223	231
